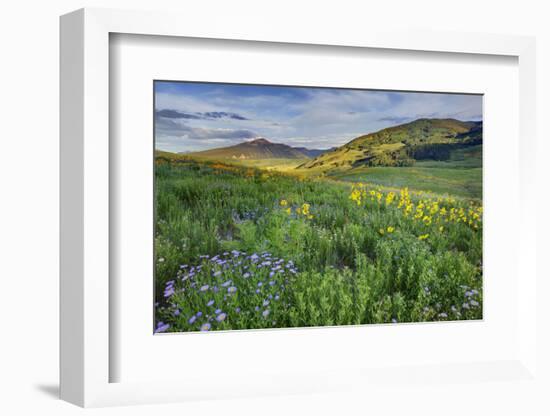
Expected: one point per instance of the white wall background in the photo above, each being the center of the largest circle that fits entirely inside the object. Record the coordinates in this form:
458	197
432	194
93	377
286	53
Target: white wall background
29	56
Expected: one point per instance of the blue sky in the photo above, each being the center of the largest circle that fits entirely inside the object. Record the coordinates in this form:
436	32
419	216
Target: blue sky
199	116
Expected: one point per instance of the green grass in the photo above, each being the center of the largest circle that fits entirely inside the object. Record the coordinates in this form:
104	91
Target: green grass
339	268
461	175
462	182
270	164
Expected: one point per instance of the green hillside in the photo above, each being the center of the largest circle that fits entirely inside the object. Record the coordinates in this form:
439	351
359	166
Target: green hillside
403	145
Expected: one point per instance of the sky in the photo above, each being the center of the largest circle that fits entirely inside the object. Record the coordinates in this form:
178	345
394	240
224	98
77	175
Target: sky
199	116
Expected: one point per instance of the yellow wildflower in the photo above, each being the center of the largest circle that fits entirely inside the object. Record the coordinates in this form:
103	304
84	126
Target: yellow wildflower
390	229
389	198
356	196
284	202
423	236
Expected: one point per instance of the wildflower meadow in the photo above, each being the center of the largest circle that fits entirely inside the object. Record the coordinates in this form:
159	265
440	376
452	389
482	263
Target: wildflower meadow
239	247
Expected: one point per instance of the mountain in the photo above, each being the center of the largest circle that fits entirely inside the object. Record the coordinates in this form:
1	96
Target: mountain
402	145
259	149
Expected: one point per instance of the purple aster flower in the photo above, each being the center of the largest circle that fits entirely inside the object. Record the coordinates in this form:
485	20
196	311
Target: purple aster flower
257	308
266	302
218	273
265	313
276	297
238	310
272	283
231	289
183	266
205	327
198	314
465	305
271	274
169	292
257	291
217	311
192	319
204	288
176	312
161	327
393	320
220	317
246	275
260	284
225	284
474	302
210	302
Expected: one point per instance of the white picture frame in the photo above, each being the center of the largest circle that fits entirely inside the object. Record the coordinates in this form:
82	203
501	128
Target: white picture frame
85	211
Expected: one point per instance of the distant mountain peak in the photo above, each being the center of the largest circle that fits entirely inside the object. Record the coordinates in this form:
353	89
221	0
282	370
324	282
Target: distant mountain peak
260	140
259	148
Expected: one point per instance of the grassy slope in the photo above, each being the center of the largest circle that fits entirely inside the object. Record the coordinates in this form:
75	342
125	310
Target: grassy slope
281	165
461	175
386	147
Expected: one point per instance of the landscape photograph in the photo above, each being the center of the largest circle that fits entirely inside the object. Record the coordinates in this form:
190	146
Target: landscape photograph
293	207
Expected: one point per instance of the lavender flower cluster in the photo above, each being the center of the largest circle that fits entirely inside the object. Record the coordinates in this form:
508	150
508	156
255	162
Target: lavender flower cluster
471	301
232	290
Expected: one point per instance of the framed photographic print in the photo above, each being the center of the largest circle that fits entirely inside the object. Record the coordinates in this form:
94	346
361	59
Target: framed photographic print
282	213
288	206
